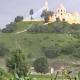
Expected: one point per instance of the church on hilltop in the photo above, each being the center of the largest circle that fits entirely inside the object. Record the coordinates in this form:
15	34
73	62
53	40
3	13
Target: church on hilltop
63	15
60	13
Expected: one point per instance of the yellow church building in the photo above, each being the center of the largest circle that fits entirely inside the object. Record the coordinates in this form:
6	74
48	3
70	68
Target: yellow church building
62	14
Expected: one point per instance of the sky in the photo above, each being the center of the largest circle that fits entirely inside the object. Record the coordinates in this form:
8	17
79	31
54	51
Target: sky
9	9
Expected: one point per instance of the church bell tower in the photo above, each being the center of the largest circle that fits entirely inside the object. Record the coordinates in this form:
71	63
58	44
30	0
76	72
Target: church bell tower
46	5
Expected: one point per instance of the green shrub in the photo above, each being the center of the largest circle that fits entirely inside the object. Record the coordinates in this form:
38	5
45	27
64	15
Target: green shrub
10	28
41	65
51	51
17	63
3	50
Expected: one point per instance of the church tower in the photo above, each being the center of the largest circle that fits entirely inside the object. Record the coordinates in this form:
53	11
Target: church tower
46	5
61	12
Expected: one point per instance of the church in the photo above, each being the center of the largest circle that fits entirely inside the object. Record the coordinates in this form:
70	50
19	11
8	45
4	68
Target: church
63	15
60	13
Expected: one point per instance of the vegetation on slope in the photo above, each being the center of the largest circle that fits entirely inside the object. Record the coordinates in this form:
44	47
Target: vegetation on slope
56	41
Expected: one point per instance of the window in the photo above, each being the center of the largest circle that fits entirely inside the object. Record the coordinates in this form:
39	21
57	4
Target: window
61	10
63	20
61	14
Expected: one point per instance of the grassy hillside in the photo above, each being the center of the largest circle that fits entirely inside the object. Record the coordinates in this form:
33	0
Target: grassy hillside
24	25
32	43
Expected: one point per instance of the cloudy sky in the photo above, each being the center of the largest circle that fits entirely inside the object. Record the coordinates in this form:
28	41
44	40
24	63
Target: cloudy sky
9	9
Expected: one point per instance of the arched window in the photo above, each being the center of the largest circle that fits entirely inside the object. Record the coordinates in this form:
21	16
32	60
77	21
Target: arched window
63	20
61	10
61	14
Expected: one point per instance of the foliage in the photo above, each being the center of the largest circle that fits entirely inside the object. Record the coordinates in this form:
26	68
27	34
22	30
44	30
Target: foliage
66	39
33	43
76	52
1	72
18	19
31	13
51	51
46	14
10	28
68	50
57	27
79	75
4	75
41	65
39	29
3	50
17	63
29	56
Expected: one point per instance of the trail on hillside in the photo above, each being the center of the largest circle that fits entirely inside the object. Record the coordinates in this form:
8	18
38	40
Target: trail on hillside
25	30
21	31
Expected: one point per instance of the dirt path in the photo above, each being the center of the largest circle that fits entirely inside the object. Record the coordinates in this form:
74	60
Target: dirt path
29	27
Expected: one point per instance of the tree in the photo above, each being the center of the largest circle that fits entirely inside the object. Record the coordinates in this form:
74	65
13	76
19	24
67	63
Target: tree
41	65
31	13
10	28
46	15
18	19
17	63
3	50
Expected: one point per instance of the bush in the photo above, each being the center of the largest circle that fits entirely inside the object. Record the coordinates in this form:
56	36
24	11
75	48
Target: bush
10	28
68	50
41	65
18	19
51	51
30	56
76	52
79	75
39	28
57	27
3	50
3	75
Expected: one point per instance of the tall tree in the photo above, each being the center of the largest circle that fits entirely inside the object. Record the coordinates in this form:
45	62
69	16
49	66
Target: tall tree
17	63
31	13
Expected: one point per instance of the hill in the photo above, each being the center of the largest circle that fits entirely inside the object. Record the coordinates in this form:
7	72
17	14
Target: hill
36	44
